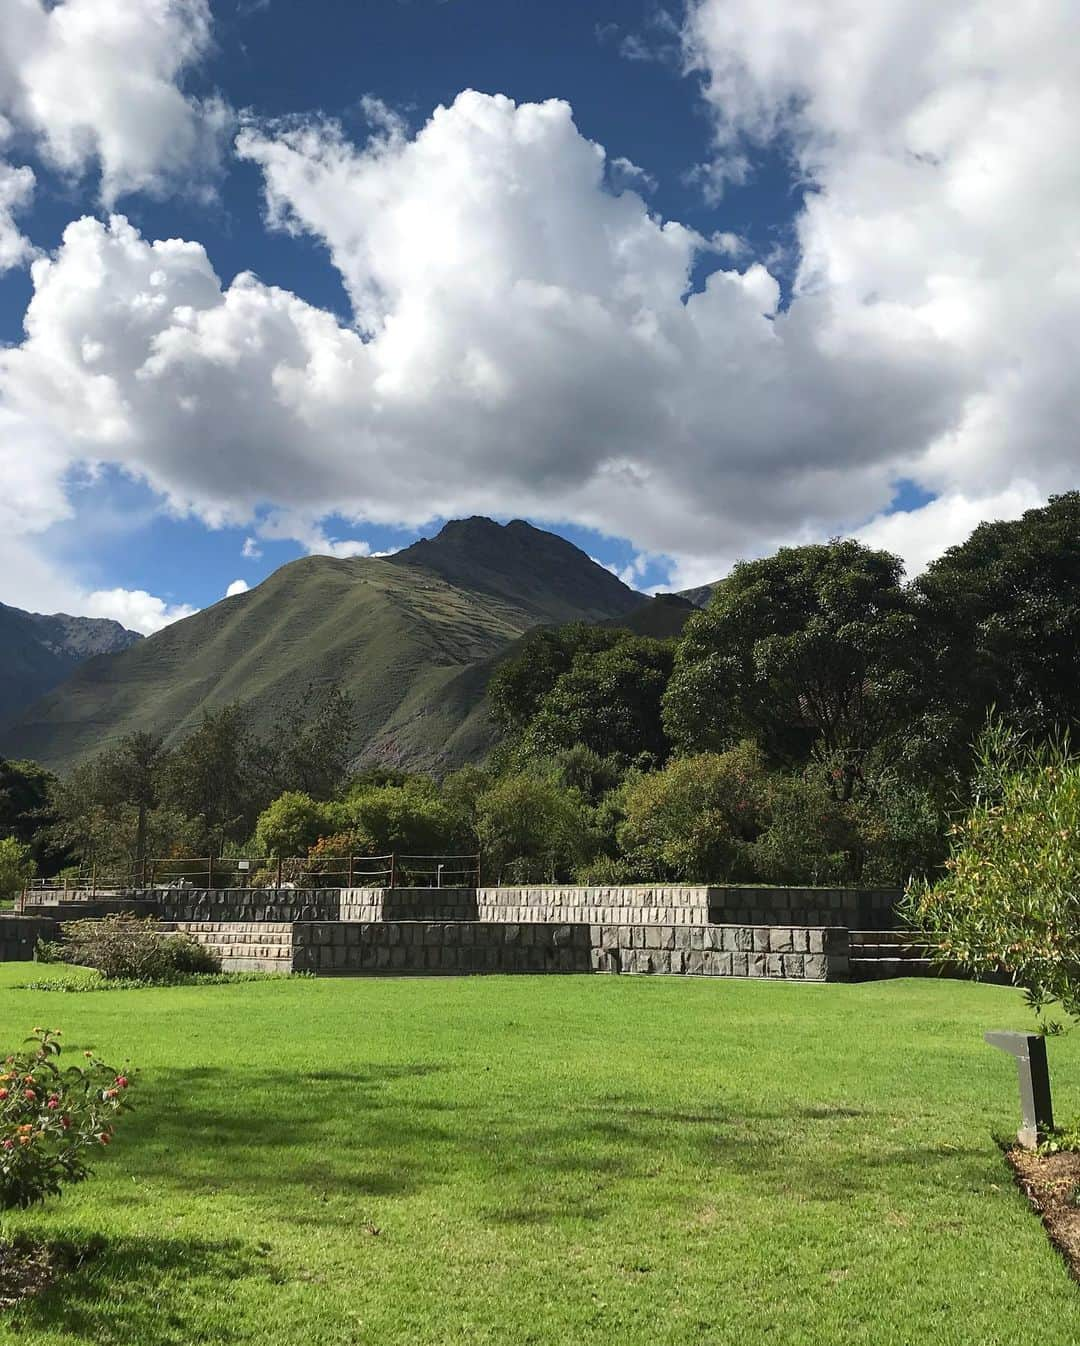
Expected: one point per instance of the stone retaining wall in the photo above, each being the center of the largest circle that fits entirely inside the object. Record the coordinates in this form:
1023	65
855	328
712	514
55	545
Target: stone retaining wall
535	946
856	908
19	936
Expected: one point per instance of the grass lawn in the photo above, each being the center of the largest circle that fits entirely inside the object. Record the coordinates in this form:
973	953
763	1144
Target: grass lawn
552	1160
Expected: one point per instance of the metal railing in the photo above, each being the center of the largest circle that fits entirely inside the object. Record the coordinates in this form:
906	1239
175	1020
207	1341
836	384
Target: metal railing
330	871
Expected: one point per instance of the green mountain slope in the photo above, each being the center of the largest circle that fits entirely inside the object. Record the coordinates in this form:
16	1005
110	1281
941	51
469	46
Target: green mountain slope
410	637
37	652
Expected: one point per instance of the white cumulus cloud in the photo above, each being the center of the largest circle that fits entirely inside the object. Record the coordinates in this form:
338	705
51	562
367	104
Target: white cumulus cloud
100	82
237	587
133	608
941	141
527	339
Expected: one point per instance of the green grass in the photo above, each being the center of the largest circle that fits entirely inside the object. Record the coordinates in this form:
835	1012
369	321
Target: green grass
552	1160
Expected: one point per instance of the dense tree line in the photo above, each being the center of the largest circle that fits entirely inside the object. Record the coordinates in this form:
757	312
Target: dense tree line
813	724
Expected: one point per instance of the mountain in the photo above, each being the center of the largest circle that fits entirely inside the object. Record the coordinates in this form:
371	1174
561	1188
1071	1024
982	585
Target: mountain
412	638
37	652
700	596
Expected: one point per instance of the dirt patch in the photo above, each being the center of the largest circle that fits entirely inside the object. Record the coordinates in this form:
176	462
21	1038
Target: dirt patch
1051	1182
25	1269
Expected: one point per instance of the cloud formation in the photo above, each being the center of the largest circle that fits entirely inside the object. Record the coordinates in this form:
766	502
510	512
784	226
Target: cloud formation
527	339
941	141
99	82
134	608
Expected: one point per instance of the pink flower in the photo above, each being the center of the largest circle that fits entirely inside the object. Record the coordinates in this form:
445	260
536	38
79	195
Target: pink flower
9	1144
104	1137
53	1102
29	1093
121	1081
3	1093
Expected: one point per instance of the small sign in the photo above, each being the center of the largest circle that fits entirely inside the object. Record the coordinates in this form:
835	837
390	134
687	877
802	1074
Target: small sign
243	864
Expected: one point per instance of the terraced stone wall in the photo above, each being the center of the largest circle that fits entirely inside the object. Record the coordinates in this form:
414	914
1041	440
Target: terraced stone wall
19	936
535	946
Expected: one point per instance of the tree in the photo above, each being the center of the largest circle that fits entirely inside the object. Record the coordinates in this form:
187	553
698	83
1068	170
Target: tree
127	775
608	701
408	819
293	823
531	829
26	812
695	819
316	745
1009	899
523	679
217	777
1002	611
812	652
16	866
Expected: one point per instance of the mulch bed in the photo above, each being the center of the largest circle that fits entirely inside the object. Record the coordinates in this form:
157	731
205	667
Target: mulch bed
25	1269
1051	1182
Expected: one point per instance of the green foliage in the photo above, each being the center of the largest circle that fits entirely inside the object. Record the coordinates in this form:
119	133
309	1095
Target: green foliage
134	948
1010	896
531	829
293	823
607	701
219	777
808	836
695	819
812	652
410	819
316	744
521	681
26	813
1003	613
50	1117
16	866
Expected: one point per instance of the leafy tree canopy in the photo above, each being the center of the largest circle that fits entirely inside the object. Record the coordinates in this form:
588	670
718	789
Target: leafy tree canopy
607	701
1003	610
810	652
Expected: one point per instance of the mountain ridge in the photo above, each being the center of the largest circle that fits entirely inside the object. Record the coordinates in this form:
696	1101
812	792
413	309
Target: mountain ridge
411	637
40	650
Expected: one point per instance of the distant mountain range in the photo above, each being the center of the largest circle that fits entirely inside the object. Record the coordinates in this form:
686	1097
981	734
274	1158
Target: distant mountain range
411	637
38	652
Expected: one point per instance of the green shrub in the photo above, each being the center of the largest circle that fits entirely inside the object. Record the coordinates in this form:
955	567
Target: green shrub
1010	896
51	1117
16	867
134	948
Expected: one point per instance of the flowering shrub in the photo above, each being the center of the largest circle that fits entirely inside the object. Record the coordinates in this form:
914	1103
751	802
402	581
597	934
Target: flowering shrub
50	1116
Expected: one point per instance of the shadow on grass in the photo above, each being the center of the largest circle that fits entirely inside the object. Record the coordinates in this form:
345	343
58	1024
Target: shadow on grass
119	1292
317	1144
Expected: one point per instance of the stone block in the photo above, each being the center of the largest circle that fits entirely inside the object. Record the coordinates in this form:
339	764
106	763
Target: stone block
757	965
723	963
696	963
762	937
781	939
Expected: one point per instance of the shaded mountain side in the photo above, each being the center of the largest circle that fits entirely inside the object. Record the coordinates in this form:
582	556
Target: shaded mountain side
38	651
525	565
700	596
412	647
662	617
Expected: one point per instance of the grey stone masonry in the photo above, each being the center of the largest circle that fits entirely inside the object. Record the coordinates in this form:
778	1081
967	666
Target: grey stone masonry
788	953
856	908
19	936
245	946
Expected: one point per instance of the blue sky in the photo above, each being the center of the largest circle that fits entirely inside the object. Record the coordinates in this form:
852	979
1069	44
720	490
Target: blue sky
826	380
